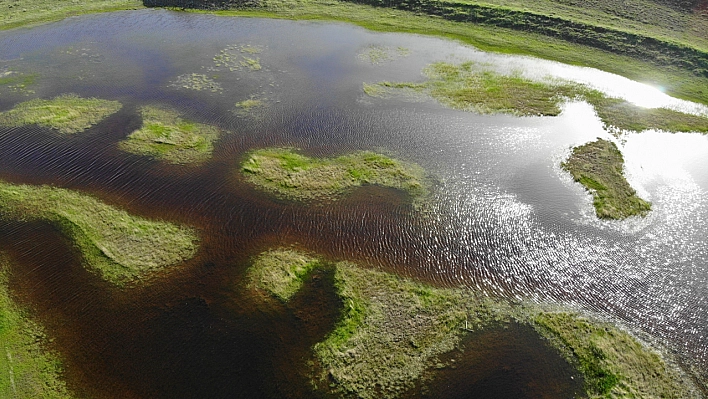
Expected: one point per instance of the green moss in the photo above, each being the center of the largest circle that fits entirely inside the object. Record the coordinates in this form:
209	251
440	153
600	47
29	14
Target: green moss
292	176
28	369
166	136
599	167
119	247
613	363
281	272
67	113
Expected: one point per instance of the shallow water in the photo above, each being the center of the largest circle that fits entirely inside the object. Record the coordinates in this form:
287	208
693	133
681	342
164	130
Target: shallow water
504	220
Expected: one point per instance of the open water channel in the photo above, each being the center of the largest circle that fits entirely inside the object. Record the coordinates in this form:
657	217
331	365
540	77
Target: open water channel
504	219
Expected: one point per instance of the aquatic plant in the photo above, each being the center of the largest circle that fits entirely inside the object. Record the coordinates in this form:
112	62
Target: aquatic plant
237	57
377	54
598	166
119	247
18	82
165	135
198	82
67	113
28	369
293	176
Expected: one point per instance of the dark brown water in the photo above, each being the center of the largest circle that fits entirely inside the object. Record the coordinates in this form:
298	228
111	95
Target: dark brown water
505	220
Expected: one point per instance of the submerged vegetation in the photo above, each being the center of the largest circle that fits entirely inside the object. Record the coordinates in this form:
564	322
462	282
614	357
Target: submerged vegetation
198	82
598	166
167	136
18	82
28	369
120	247
393	332
67	113
237	57
377	55
293	176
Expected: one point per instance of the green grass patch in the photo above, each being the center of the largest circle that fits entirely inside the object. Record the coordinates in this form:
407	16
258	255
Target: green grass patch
31	12
377	55
613	363
599	167
293	176
120	247
281	272
67	113
168	137
28	370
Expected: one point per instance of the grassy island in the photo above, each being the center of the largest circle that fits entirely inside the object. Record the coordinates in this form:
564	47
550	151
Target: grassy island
281	272
166	136
392	332
120	247
614	364
67	113
28	370
469	87
598	166
292	176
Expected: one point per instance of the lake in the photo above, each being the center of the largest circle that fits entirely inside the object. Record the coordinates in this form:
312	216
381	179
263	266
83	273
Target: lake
504	218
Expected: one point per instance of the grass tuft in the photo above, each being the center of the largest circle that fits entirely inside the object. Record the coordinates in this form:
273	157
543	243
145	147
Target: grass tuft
168	137
67	113
119	247
598	166
292	176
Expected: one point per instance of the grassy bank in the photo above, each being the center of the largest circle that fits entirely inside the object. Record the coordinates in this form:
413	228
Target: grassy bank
67	113
393	331
598	166
165	135
292	176
28	370
119	247
471	87
31	12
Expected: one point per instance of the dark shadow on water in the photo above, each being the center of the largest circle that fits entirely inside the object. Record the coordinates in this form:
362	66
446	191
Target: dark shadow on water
509	361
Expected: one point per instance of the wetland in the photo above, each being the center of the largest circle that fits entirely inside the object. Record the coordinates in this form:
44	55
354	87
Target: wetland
242	210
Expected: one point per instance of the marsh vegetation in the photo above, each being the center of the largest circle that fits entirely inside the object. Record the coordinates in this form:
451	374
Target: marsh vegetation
292	176
67	113
119	247
29	369
599	167
166	136
393	332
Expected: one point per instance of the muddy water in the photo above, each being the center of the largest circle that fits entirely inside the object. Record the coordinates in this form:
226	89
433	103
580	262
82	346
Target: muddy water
504	218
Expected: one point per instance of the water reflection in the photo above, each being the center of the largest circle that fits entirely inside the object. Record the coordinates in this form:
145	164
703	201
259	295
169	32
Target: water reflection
505	219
